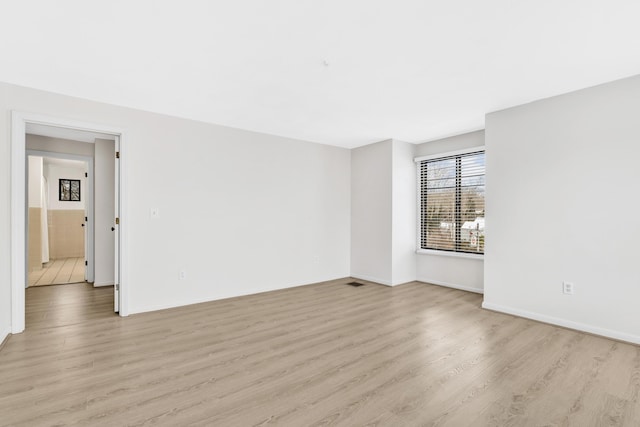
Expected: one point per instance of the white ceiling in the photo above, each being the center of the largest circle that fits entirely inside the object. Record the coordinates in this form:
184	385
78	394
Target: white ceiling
346	73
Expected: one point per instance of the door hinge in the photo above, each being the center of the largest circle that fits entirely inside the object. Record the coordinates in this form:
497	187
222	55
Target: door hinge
117	221
117	287
117	154
86	263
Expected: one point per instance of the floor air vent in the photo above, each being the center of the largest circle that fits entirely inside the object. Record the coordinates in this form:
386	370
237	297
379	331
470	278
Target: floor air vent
355	284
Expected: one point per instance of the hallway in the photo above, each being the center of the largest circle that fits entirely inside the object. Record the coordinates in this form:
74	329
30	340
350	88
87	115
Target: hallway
58	272
54	306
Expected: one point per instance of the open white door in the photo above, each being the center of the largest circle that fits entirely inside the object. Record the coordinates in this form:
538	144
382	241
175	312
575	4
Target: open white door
116	229
85	229
85	223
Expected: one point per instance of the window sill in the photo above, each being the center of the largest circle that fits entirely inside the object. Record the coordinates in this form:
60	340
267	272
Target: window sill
479	257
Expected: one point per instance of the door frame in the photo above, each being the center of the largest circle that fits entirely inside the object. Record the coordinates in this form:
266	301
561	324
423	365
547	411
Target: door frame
89	206
19	122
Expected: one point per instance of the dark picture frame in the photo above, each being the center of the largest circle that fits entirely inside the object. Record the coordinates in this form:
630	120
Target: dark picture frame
69	190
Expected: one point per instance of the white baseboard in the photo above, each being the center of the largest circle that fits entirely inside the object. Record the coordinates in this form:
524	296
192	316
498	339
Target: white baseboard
210	298
452	285
634	339
372	279
97	285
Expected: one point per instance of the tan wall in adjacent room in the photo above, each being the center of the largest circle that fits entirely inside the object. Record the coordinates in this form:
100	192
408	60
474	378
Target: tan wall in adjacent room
66	234
35	239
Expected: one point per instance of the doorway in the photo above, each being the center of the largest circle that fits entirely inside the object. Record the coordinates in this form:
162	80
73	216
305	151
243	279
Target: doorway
59	199
21	123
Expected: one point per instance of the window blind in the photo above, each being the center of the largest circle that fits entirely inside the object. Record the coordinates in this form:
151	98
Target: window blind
452	204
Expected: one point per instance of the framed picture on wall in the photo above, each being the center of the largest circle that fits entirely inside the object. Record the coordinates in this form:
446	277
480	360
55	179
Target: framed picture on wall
69	190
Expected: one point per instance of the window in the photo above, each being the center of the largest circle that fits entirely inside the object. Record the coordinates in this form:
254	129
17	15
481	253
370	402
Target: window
69	190
452	202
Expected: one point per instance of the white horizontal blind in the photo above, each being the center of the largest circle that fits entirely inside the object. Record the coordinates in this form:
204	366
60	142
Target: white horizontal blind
452	203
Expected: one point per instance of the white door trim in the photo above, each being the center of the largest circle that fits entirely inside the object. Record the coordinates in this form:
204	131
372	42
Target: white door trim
19	121
90	204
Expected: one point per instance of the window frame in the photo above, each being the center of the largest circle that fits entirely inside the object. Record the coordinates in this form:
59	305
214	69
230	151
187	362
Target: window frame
70	181
436	156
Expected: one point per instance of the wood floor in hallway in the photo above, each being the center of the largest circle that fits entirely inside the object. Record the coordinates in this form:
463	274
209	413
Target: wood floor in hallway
69	304
58	271
317	355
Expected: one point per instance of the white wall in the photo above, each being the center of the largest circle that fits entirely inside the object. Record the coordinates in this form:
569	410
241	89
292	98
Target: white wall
566	168
104	212
371	207
56	172
383	212
403	213
448	270
240	212
5	217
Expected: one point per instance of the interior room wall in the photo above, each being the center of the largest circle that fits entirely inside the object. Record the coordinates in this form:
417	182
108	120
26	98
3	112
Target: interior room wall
559	176
403	213
66	234
54	173
383	212
65	218
447	270
239	212
5	218
371	207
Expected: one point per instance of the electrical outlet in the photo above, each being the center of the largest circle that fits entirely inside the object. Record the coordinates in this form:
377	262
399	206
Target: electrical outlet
567	288
182	275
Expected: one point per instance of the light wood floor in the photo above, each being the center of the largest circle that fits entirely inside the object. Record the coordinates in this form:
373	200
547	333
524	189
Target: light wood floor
58	271
325	354
66	305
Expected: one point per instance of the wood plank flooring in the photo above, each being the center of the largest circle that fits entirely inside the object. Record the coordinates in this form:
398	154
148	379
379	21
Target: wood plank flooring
58	271
318	355
63	305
